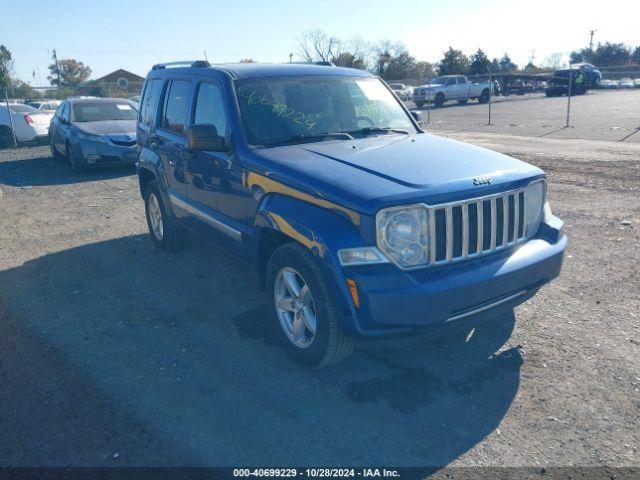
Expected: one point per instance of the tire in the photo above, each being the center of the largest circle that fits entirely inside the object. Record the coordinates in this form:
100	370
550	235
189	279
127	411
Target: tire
77	162
54	151
328	344
439	100
419	104
484	96
6	138
170	236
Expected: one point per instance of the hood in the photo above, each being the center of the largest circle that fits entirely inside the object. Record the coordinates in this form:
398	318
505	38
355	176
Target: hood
370	173
107	127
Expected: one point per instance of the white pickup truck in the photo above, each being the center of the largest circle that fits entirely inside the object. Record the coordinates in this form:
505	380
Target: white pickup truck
450	87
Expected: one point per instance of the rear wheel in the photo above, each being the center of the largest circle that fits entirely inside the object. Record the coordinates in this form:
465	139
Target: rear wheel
300	302
439	100
484	96
166	234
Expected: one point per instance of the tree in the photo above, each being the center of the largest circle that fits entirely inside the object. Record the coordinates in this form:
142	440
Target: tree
553	61
317	46
423	70
247	60
506	65
392	60
349	60
454	62
605	54
635	56
479	63
72	73
24	90
6	67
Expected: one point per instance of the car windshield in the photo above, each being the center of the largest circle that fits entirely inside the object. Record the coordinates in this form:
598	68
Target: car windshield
101	111
284	109
396	86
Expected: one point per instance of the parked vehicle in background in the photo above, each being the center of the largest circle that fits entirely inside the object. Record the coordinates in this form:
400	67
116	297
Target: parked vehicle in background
358	224
94	132
583	76
626	83
401	90
30	124
636	83
518	87
610	84
45	105
451	87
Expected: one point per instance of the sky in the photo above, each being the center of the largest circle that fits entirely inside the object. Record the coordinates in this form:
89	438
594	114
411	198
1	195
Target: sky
135	35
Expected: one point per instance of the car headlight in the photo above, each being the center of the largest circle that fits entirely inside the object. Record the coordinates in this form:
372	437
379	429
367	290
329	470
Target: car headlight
534	206
90	137
402	235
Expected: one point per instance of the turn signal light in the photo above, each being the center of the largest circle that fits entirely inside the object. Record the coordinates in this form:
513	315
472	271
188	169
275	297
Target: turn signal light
353	289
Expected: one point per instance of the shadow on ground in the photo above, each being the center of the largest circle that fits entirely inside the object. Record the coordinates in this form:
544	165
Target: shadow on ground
177	350
44	170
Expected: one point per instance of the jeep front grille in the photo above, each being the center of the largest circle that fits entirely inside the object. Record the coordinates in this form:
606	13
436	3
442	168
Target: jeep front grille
476	227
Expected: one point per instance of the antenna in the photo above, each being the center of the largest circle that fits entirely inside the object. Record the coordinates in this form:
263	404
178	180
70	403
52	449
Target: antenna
205	55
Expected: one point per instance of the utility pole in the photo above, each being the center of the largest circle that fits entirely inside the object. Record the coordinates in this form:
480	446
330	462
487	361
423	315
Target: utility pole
291	58
532	57
591	34
55	59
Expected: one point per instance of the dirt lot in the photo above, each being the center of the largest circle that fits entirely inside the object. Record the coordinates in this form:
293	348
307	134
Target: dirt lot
112	353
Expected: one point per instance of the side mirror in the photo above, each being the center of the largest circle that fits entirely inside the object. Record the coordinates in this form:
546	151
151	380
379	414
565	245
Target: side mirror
417	115
63	120
205	137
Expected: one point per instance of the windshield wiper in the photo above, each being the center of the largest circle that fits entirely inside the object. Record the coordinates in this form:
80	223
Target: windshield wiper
303	137
368	130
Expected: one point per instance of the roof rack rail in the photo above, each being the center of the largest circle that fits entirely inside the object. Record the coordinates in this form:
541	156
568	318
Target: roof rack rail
320	63
185	63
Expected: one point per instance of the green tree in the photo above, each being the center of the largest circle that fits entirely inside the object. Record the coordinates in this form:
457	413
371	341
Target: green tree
506	65
6	67
605	55
454	62
72	73
349	60
393	61
479	63
423	70
635	56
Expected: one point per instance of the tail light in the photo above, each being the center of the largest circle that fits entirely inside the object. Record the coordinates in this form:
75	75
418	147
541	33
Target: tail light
28	119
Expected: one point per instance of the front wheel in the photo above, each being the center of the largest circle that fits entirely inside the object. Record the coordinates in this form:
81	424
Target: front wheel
484	96
166	234
300	303
439	100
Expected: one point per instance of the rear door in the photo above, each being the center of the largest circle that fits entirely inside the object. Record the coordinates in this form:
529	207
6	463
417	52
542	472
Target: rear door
170	141
60	128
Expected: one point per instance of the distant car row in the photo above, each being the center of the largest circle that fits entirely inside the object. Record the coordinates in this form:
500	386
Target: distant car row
622	83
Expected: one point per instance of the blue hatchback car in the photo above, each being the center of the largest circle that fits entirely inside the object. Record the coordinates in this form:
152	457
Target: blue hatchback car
358	223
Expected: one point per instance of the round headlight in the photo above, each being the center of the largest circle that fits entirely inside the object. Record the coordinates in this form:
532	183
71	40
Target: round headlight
402	235
402	229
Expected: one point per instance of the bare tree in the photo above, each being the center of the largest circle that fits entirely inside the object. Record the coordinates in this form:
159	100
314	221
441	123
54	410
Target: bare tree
317	46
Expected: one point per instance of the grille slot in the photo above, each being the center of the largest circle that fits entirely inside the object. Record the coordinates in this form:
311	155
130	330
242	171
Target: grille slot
476	227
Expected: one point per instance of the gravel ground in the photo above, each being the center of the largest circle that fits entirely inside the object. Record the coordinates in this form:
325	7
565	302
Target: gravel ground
115	354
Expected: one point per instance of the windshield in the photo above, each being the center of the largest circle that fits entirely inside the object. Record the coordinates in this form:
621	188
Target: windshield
101	111
281	109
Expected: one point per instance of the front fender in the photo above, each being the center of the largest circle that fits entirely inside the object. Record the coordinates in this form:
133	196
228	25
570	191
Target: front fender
150	161
323	232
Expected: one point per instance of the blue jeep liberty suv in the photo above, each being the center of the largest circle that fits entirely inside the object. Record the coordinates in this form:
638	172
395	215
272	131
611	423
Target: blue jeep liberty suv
358	223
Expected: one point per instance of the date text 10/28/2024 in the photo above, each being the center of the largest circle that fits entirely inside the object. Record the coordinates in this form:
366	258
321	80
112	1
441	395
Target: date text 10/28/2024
317	472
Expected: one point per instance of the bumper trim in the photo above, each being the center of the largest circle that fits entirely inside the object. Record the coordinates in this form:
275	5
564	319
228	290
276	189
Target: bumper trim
488	306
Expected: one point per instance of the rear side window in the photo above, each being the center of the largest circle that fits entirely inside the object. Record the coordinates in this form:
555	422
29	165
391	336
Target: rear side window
210	108
149	102
175	106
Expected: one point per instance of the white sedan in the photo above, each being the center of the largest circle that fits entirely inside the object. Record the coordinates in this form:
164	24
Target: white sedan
29	124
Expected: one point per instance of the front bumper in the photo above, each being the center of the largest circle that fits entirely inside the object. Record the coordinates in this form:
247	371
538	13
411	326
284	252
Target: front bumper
393	301
99	153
